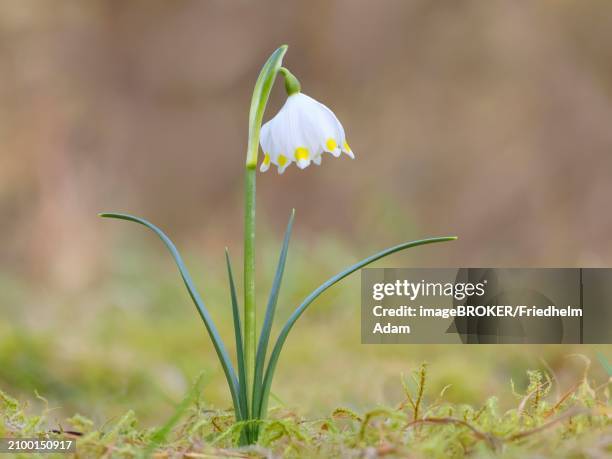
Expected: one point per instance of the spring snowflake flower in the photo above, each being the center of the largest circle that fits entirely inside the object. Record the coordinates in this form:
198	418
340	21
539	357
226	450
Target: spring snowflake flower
301	132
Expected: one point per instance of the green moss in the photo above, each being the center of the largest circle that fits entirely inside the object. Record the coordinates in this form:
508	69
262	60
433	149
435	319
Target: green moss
421	424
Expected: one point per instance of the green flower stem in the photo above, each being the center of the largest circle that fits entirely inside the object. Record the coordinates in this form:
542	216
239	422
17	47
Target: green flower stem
259	100
250	316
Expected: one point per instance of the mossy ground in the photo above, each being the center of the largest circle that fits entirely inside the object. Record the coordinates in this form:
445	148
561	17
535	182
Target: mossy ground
422	425
125	352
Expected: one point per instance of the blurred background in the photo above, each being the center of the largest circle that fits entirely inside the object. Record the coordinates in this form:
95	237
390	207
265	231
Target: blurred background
487	120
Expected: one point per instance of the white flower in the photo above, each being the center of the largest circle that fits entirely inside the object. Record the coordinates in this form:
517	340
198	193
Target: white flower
300	132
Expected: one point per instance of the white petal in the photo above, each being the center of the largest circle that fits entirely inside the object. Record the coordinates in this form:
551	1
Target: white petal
347	150
265	137
300	133
333	131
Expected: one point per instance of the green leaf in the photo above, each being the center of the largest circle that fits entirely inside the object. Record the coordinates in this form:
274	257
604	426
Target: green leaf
261	93
282	337
242	387
604	363
226	363
160	435
266	329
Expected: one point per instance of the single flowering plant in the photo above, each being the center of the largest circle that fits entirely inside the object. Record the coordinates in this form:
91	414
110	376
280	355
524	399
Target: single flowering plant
301	133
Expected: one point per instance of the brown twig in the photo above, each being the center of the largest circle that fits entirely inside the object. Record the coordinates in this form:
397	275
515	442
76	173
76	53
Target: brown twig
491	440
217	453
563	399
73	433
521	407
568	414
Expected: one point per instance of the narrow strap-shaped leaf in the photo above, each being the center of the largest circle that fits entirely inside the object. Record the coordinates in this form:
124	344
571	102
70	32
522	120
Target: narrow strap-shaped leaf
280	341
162	433
266	329
242	387
226	363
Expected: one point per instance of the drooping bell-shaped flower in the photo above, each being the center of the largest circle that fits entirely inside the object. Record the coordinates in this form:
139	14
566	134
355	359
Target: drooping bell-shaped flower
300	133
